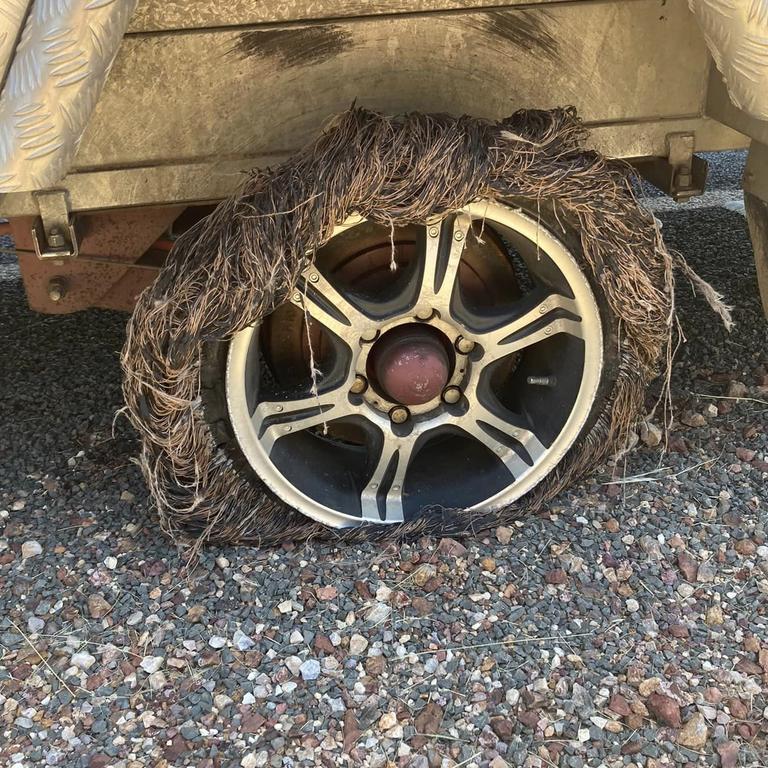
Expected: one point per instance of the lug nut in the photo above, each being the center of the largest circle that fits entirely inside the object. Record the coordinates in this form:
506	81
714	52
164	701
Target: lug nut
424	313
369	335
434	231
465	346
399	415
359	385
57	288
56	239
451	395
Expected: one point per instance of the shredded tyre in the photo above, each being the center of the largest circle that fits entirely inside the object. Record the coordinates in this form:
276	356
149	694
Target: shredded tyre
256	253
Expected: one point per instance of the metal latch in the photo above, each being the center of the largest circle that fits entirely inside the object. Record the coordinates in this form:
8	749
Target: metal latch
53	234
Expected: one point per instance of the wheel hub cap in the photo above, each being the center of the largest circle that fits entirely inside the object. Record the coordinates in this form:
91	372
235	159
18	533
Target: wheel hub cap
410	364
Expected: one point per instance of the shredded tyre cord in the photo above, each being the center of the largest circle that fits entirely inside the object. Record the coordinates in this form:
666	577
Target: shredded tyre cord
240	263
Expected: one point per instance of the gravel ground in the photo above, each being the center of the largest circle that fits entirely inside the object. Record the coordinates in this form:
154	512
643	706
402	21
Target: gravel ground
628	628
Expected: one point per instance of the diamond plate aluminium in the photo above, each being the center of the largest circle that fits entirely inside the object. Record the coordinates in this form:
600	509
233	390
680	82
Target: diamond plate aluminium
60	64
12	15
736	32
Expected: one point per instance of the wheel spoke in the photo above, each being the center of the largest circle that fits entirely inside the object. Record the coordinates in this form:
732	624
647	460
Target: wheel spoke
275	419
388	479
474	423
539	323
442	256
328	306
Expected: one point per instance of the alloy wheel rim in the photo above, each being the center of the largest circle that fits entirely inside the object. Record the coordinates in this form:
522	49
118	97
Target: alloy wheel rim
384	476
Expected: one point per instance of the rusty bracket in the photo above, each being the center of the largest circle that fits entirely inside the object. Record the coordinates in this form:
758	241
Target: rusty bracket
53	234
681	174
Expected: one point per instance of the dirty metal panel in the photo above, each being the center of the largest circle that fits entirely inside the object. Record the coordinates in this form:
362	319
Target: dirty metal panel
118	236
156	15
255	91
126	187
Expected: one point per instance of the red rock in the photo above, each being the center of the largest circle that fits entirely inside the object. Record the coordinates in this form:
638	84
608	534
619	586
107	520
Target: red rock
737	708
557	576
713	695
619	705
209	659
664	710
737	389
745	547
322	643
677	444
748	667
22	671
693	419
451	547
688	566
529	717
668	576
351	731
729	754
375	665
678	630
751	644
631	747
503	727
422	606
745	454
427	723
327	593
98	607
99	761
252	722
175	749
154	568
400	598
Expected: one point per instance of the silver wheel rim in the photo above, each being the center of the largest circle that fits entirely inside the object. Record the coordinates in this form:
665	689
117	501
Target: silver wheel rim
510	443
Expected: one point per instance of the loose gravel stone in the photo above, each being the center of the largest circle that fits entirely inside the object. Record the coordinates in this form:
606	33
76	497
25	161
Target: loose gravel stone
151	664
310	669
31	549
82	660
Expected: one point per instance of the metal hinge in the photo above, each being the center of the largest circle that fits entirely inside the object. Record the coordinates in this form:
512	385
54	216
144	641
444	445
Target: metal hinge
54	234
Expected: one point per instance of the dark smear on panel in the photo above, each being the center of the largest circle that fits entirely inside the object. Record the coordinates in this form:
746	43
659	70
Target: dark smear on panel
523	29
298	47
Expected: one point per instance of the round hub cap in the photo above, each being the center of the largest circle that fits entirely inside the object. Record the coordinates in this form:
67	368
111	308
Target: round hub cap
410	364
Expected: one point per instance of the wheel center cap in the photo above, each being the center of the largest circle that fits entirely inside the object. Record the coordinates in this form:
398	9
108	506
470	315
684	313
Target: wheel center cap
410	364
